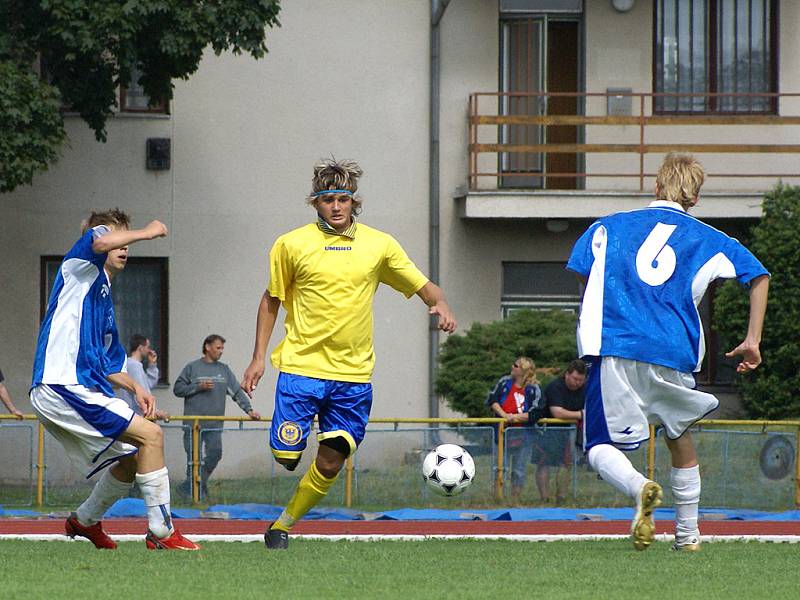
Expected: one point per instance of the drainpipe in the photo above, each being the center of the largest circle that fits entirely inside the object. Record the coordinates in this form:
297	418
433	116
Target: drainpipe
437	11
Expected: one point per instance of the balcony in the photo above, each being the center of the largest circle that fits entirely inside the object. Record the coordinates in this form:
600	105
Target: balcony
525	162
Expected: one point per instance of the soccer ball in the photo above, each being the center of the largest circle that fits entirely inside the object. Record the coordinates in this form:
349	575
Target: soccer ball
448	469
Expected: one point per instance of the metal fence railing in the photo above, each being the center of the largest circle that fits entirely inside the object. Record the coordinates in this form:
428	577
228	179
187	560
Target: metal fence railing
746	464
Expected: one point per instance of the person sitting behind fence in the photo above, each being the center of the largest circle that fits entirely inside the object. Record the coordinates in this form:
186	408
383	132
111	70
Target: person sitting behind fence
203	384
512	398
562	399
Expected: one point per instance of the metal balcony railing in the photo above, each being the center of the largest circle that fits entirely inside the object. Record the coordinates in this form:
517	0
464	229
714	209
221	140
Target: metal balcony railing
512	137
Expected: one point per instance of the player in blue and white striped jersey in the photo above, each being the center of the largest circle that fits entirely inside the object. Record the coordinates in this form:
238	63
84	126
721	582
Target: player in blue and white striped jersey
78	357
646	271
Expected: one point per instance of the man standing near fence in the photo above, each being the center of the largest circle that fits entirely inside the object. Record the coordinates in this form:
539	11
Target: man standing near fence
639	328
203	384
325	274
78	358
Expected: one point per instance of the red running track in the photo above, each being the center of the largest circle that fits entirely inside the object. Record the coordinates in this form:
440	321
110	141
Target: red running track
236	527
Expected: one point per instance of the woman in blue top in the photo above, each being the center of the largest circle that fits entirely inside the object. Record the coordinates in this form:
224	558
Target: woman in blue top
512	398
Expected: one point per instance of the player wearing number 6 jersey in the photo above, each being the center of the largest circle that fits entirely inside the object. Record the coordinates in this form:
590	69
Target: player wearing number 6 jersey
646	271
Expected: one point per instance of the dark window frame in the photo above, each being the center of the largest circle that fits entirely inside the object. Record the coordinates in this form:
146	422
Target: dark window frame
163	262
562	301
160	108
713	53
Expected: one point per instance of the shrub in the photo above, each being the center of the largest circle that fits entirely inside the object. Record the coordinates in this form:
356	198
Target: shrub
470	364
771	391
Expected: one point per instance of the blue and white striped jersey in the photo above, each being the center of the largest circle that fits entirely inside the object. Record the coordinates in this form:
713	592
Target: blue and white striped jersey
78	340
647	271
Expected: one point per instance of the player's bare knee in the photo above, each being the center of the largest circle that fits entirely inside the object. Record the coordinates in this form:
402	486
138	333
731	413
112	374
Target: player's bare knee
152	436
331	456
290	464
329	469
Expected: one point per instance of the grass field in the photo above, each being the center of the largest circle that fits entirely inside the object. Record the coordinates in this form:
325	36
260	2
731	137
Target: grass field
459	569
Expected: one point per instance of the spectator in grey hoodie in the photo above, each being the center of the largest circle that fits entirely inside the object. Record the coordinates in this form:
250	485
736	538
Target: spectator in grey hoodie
204	384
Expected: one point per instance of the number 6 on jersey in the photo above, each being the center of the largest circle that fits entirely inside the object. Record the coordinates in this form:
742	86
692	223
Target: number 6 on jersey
655	261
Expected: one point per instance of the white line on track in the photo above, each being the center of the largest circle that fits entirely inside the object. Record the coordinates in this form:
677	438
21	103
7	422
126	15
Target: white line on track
204	537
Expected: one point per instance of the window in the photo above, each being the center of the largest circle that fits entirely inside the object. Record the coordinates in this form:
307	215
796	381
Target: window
539	285
133	99
140	301
715	46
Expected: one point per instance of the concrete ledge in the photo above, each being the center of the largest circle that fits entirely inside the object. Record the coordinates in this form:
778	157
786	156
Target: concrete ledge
590	204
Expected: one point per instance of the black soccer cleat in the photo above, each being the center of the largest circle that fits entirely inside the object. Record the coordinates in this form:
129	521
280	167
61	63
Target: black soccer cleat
276	539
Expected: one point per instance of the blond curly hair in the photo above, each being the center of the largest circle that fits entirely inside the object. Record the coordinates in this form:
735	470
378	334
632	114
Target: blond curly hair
679	179
332	174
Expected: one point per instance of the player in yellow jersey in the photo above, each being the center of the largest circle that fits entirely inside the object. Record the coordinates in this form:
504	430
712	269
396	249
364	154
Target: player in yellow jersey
325	275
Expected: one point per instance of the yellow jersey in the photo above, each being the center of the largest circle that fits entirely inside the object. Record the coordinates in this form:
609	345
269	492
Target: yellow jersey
326	283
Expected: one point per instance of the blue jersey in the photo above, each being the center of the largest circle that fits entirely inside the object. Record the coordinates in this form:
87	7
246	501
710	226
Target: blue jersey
78	340
647	271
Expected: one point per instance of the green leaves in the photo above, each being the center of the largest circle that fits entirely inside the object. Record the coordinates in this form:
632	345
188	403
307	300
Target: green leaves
771	391
88	48
472	363
31	125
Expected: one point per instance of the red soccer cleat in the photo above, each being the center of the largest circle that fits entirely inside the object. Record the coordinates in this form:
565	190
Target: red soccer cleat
93	533
172	542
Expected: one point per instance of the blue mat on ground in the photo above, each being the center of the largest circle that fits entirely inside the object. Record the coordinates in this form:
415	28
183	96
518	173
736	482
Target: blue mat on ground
13	512
134	507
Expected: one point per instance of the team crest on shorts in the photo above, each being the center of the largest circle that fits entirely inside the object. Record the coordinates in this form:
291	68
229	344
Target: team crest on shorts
290	433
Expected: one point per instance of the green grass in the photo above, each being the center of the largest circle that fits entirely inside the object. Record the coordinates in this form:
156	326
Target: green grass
429	569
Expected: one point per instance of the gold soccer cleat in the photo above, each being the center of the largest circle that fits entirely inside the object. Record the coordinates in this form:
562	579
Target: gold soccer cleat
643	527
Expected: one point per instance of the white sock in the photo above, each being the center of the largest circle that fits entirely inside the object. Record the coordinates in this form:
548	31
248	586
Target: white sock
155	491
686	493
615	468
106	491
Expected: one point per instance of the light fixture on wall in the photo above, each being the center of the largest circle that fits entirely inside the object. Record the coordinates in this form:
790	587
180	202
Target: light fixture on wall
622	5
556	225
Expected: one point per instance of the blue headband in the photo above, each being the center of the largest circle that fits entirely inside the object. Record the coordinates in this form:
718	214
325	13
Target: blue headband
325	192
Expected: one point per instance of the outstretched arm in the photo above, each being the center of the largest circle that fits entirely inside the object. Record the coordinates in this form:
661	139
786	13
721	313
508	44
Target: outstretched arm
6	398
144	399
749	348
119	238
433	296
265	323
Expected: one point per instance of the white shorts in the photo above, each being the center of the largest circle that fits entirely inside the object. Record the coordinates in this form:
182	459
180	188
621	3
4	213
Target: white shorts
623	397
86	423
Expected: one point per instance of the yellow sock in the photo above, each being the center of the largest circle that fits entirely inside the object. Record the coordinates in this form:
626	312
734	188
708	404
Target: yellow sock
312	488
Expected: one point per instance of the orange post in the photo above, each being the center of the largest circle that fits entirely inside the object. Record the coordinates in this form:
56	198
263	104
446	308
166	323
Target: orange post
196	461
348	482
40	467
797	470
501	430
651	454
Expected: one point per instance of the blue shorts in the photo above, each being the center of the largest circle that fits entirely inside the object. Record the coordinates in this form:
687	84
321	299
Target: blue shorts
343	410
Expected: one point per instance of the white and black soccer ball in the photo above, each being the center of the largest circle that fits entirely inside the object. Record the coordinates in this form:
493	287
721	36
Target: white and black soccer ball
448	469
